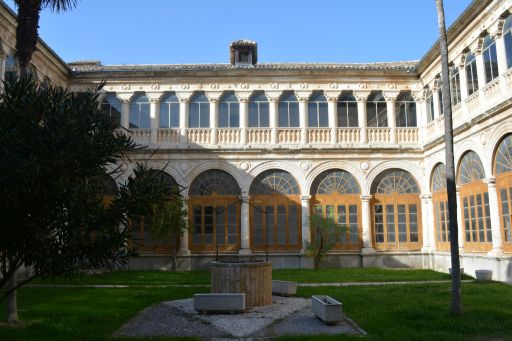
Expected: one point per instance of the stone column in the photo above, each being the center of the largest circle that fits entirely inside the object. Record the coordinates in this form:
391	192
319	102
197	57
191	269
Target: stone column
480	69
463	84
432	230
184	101
125	109
460	222
497	244
154	114
501	52
332	109
425	223
273	100
306	232
184	250
361	114
437	104
244	112
214	119
245	246
303	118
391	115
366	222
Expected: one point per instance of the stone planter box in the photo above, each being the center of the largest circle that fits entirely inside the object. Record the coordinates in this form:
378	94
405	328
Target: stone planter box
326	309
219	303
284	288
483	275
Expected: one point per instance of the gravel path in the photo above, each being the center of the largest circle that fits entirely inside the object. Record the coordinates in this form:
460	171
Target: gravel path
286	316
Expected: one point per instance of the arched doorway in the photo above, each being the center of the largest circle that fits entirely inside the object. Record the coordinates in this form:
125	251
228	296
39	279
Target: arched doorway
335	193
503	172
474	200
440	202
275	212
396	212
214	212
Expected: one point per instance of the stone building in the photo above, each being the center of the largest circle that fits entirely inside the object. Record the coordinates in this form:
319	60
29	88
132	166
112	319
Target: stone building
259	147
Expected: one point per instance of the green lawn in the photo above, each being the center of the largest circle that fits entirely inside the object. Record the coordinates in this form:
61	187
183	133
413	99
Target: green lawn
391	312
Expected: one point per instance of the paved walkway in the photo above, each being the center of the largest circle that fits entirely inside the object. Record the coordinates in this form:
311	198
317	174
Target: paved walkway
333	284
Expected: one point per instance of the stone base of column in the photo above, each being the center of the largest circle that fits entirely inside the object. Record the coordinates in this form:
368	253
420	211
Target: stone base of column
245	252
367	251
184	253
426	249
496	252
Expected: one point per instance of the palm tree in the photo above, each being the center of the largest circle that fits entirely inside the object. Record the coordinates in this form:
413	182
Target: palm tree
456	306
28	24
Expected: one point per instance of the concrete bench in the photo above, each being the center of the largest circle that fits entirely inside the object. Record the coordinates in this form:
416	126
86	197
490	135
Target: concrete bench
284	288
219	303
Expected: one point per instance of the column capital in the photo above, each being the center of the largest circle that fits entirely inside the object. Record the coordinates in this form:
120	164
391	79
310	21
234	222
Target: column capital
332	96
213	96
273	96
183	96
243	96
496	29
361	96
154	97
418	96
390	96
124	97
491	181
303	96
305	197
366	198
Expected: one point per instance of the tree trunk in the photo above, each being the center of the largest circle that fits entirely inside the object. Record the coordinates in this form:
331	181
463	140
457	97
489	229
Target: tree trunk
456	305
12	302
26	32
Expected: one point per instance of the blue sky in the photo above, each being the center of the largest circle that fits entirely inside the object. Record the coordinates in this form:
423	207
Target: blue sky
199	31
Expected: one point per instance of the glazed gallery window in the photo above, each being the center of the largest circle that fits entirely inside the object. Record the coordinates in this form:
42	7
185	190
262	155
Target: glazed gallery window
430	104
11	68
335	194
229	116
317	111
405	110
471	73
139	111
455	85
440	202
396	211
490	59
214	214
507	36
170	111
288	111
199	111
503	171
475	203
376	110
275	212
258	110
439	86
111	107
347	110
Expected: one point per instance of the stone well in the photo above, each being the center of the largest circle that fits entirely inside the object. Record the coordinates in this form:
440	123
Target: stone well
253	278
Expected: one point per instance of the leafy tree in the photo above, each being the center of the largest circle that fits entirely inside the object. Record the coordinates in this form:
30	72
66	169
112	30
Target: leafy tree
325	234
28	25
54	149
168	224
456	306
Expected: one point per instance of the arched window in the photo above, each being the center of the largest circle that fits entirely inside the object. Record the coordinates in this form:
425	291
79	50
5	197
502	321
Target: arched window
199	111
141	239
507	36
503	172
229	116
139	111
170	111
317	111
405	110
11	68
258	110
490	58
288	110
275	212
475	203
440	202
396	211
455	85
214	212
111	106
439	87
430	104
347	110
376	110
336	194
471	73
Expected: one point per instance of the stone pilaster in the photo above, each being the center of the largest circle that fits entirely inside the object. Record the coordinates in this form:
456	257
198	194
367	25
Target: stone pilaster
480	68
184	249
497	243
391	114
125	108
273	101
303	116
184	104
154	114
243	99
425	222
332	109
213	97
366	224
245	246
361	97
306	232
460	223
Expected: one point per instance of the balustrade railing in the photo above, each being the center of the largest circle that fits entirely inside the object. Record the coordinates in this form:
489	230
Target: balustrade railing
259	135
140	136
379	135
319	135
492	88
168	136
349	135
288	135
199	135
228	135
407	135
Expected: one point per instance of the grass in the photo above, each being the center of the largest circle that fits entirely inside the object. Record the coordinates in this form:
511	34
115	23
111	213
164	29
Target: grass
391	312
